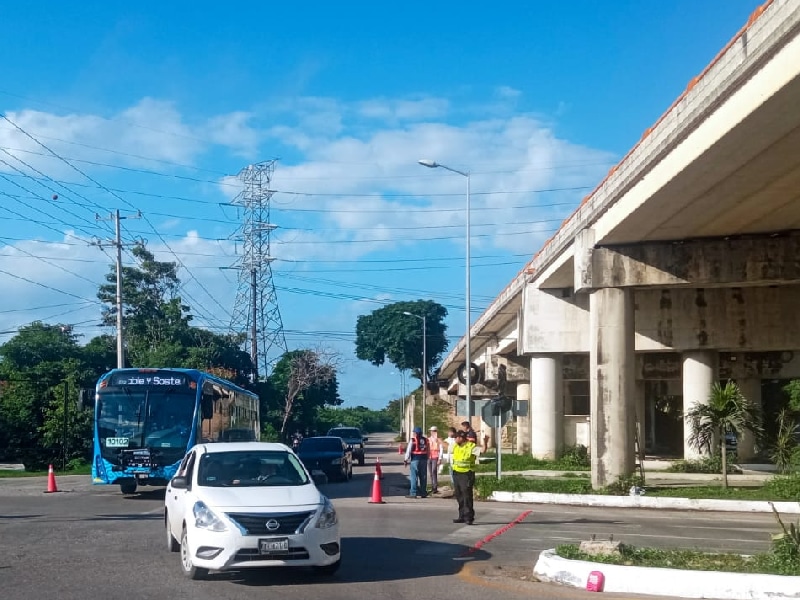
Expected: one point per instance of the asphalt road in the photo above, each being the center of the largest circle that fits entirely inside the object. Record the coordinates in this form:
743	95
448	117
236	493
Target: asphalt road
88	542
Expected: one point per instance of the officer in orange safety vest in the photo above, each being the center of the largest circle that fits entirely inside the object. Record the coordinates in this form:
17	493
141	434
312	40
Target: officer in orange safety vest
417	456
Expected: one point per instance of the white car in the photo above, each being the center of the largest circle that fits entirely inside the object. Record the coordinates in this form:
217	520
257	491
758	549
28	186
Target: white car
241	505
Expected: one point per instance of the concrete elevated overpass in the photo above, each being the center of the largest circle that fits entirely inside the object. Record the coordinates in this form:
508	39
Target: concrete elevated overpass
681	268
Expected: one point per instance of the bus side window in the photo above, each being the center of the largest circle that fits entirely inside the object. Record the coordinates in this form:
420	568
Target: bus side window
207	407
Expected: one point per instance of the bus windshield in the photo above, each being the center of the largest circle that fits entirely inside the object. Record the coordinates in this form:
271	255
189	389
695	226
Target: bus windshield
145	417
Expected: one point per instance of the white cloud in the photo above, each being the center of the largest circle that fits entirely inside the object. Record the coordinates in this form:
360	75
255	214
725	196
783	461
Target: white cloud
351	189
393	110
234	131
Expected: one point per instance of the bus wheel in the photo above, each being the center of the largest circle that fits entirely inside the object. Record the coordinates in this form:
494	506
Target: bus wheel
128	487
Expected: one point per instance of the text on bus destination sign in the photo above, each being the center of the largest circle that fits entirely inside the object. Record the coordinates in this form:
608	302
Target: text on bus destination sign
150	380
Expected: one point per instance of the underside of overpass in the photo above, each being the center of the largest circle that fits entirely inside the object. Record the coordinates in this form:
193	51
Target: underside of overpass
680	269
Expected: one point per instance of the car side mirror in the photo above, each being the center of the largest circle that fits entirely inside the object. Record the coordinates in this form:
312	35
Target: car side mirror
319	478
364	439
179	483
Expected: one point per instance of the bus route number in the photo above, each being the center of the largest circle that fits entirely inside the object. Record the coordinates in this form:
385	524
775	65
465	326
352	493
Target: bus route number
117	442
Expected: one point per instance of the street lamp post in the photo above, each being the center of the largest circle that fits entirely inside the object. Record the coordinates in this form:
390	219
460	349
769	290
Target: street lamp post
432	164
403	427
424	362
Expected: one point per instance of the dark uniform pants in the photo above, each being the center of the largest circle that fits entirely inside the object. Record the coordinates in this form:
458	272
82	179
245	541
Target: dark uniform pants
463	485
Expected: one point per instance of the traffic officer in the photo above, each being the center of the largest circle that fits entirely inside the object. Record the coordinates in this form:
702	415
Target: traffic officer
417	456
463	477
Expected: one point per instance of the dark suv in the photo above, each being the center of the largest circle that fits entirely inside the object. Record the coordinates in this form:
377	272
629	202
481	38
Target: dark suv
353	438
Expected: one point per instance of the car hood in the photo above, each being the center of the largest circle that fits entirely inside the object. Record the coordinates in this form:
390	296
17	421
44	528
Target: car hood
290	498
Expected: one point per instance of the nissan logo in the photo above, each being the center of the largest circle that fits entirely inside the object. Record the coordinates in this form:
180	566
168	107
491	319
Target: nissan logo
272	525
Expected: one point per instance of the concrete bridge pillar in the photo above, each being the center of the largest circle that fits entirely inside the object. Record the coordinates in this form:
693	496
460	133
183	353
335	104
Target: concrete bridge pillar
612	389
546	390
699	373
751	389
524	423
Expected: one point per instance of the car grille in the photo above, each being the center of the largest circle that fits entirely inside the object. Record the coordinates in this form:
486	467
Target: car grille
256	523
248	554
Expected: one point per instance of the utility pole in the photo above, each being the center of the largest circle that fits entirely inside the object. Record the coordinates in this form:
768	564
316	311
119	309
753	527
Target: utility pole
117	243
256	310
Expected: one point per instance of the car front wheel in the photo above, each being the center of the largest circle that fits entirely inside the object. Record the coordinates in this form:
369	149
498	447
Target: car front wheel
187	566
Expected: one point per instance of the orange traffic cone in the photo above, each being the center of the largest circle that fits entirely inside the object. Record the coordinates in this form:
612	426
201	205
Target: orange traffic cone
378	469
400	448
51	481
377	498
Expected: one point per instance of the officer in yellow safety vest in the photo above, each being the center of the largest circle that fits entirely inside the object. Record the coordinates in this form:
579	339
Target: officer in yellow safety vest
463	477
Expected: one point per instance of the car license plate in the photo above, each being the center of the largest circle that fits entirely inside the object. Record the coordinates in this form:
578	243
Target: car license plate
273	545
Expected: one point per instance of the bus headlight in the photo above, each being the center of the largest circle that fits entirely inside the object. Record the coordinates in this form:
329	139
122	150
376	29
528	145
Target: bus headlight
205	518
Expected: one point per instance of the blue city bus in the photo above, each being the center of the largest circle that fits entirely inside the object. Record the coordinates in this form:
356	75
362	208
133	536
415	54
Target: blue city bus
145	420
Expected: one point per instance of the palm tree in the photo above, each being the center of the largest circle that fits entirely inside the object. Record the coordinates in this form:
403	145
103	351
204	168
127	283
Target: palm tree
727	411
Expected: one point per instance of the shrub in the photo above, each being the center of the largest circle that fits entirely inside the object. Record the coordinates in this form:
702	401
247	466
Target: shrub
623	485
784	450
783	487
574	457
707	464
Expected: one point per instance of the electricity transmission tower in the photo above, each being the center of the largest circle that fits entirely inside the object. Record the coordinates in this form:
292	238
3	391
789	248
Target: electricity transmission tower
256	312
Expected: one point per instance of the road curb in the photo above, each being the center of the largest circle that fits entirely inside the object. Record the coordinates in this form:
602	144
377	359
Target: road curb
753	506
666	582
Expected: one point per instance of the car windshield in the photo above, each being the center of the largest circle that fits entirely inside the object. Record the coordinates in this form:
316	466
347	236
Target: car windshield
345	433
320	444
250	468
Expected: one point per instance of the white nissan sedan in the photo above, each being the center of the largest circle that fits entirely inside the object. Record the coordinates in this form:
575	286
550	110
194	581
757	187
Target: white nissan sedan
234	506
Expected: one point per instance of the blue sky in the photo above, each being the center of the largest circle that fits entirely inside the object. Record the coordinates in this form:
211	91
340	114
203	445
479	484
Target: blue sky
156	106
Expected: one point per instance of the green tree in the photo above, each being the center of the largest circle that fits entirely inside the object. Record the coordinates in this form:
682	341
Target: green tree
37	367
156	322
388	334
727	411
301	382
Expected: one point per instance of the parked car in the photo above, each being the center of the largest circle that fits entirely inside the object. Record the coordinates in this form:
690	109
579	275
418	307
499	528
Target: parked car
331	455
242	505
352	436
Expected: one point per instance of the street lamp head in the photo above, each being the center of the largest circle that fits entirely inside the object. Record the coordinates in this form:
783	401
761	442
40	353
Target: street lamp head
426	162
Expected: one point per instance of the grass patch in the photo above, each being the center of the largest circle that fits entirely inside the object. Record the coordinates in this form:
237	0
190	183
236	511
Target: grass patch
780	560
516	483
80	470
780	488
573	459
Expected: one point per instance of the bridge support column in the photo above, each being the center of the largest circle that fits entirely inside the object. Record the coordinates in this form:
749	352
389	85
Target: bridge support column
751	389
524	423
547	423
699	373
612	389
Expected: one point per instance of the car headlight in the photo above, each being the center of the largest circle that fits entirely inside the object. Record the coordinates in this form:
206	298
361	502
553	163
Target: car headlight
204	518
327	515
336	461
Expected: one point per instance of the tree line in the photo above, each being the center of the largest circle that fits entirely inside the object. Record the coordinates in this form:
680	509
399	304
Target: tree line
44	367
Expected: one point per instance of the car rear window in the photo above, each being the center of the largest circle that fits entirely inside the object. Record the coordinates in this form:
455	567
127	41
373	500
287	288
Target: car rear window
320	444
345	433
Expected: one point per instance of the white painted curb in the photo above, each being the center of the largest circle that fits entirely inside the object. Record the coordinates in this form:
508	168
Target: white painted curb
666	582
646	502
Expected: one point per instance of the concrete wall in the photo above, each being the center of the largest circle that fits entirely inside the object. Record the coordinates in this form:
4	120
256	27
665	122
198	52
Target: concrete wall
761	318
681	319
554	322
